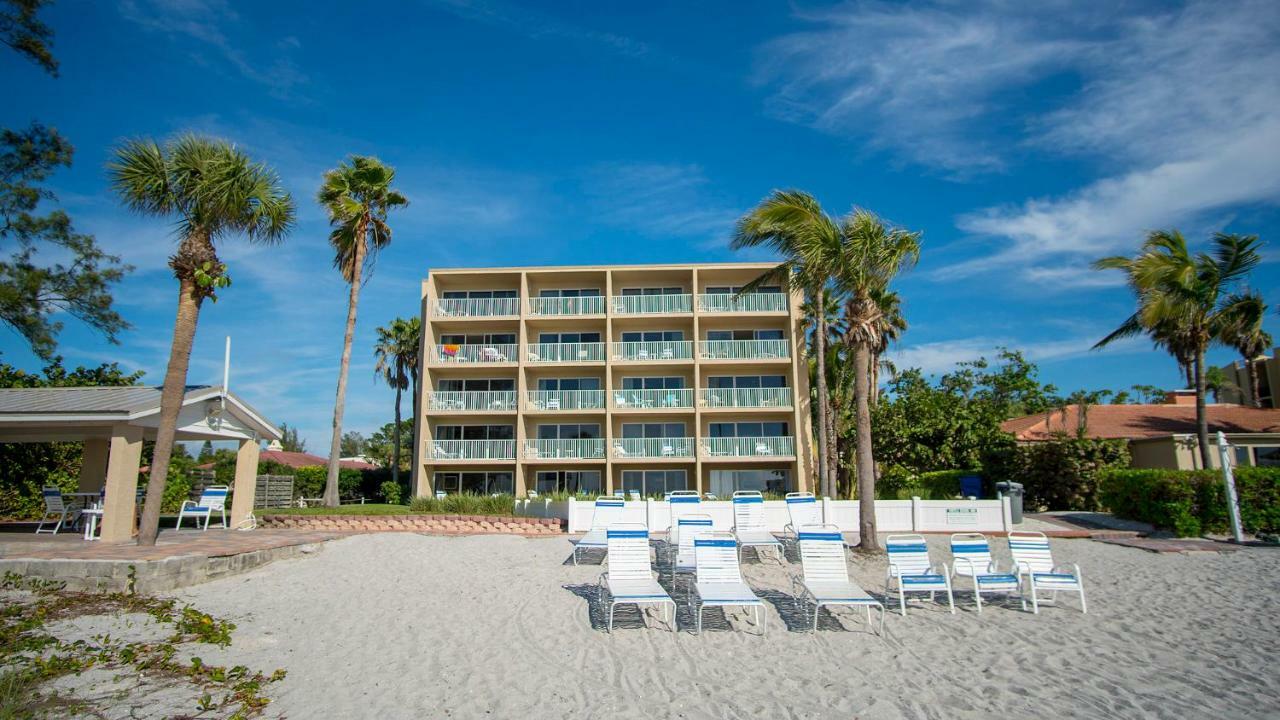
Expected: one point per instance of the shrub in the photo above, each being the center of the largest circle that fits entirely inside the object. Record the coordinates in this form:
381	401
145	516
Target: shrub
309	481
465	504
1191	502
896	483
1058	474
390	492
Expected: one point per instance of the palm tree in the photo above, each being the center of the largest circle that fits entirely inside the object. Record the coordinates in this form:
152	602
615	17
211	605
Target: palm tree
872	256
397	363
357	195
1183	300
793	224
892	324
212	190
1217	382
1243	332
826	398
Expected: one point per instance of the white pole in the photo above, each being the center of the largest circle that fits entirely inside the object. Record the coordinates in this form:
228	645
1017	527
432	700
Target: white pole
1233	505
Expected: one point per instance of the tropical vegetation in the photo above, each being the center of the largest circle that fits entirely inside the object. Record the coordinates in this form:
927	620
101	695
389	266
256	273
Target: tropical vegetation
397	357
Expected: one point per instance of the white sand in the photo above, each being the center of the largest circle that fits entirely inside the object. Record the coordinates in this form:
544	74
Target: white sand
399	626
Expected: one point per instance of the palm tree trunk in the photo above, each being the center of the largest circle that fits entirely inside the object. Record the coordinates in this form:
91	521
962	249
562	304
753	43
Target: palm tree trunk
395	435
171	396
1189	371
867	540
1202	417
820	348
331	498
833	464
875	379
1253	382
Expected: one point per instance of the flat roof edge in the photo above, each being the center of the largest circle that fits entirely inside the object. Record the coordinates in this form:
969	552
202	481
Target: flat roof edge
650	266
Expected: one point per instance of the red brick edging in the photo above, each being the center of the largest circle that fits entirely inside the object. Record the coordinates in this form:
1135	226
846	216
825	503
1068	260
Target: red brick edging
430	524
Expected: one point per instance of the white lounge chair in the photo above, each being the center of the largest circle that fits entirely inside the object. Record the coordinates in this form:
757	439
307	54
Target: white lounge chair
607	511
762	448
54	507
680	502
212	499
629	579
910	570
719	577
619	450
971	558
749	524
803	509
680	556
1034	562
826	574
634	495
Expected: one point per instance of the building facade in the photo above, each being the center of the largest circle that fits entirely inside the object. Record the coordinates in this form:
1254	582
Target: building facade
634	379
1242	391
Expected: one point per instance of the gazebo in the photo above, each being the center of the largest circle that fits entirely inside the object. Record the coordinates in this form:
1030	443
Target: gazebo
112	422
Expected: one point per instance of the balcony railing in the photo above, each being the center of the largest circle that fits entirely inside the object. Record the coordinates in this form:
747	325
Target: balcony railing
655	350
477	307
676	398
588	448
473	449
674	447
474	353
587	305
751	302
495	400
652	304
744	349
749	447
566	399
745	397
566	352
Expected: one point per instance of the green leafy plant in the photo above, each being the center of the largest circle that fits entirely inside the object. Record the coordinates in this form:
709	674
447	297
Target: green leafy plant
1060	474
390	491
1192	502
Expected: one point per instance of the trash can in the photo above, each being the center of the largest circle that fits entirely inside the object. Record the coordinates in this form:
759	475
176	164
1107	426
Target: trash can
971	486
1014	491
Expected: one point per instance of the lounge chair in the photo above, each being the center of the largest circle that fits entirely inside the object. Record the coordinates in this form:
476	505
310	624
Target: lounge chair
680	502
749	524
212	499
1034	561
634	495
971	558
762	448
629	579
910	570
719	577
55	507
803	509
680	559
619	450
826	574
607	511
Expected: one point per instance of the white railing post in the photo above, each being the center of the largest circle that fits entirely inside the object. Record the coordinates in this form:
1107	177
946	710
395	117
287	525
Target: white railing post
572	514
828	516
917	516
1006	513
648	513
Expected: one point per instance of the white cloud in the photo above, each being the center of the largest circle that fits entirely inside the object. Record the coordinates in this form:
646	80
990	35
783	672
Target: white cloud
659	200
941	356
535	25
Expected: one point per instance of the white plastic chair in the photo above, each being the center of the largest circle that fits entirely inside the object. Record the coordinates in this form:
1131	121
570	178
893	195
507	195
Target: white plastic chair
54	506
971	558
910	570
749	524
803	509
607	511
629	579
213	499
763	448
619	450
1034	561
826	574
680	539
719	578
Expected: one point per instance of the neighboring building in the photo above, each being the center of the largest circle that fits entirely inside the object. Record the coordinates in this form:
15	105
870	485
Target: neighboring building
646	378
1163	436
1268	380
301	459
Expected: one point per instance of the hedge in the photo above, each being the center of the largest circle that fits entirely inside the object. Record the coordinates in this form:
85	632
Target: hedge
899	484
1060	474
1192	502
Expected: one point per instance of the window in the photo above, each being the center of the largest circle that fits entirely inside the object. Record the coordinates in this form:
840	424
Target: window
478	294
652	383
569	337
568	481
569	431
748	429
653	430
744	334
746	381
570	293
726	482
653	291
1265	456
475	432
569	383
654	482
476	384
654	336
478	339
735	289
478	483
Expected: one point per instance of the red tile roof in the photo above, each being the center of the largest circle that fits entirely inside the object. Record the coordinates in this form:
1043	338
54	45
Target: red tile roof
298	459
1135	422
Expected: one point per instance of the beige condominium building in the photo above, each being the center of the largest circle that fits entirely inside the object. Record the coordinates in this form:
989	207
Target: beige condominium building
627	378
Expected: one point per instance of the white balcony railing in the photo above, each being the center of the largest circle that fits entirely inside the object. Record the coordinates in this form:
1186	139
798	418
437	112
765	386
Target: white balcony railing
566	352
745	397
588	448
652	304
744	349
639	399
474	353
492	400
674	447
473	449
749	447
655	350
751	302
477	307
587	305
566	399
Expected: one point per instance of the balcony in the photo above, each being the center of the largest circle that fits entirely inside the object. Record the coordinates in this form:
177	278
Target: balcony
475	400
477	307
566	352
745	397
749	303
749	447
674	447
647	399
744	349
652	304
576	449
656	350
566	399
449	354
550	306
472	449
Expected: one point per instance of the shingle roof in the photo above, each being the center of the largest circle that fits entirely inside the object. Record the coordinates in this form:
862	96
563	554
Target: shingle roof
80	400
1136	422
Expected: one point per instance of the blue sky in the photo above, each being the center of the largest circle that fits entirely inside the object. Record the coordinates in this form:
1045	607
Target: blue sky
1024	144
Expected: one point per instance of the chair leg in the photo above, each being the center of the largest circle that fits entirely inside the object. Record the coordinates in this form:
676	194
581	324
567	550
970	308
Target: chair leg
902	602
951	601
1084	607
1035	601
612	605
977	596
817	607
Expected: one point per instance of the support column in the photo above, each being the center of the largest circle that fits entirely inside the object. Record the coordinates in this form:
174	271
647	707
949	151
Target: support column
246	482
120	506
93	464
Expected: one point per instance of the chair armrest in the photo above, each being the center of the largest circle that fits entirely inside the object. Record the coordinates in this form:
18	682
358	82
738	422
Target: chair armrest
968	565
185	503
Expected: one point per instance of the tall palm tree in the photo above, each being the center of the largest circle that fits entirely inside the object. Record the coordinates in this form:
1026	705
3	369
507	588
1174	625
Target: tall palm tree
794	225
826	399
357	195
892	324
1183	300
872	256
1243	332
397	353
212	191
